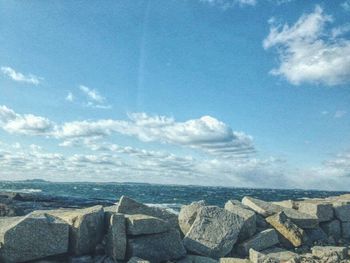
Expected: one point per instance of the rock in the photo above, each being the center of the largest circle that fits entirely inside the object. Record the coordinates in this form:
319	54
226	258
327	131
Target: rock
188	214
116	236
257	257
287	228
260	241
129	206
214	232
342	211
287	204
332	228
279	254
316	234
321	252
81	259
345	229
323	211
261	222
143	225
249	225
158	247
137	260
233	260
197	259
86	228
31	237
267	209
8	210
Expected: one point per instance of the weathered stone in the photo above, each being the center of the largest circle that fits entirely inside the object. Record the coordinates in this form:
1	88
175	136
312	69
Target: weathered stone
287	228
342	211
332	228
321	252
143	225
258	257
249	217
345	229
31	237
214	232
280	254
323	211
158	247
86	228
197	259
81	259
137	260
316	234
188	214
260	241
261	222
116	235
233	260
286	203
267	209
129	206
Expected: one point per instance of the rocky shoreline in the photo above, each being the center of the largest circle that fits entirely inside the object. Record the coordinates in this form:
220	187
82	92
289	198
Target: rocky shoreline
250	230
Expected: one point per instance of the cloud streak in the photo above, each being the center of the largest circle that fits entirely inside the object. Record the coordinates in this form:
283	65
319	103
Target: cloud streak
20	77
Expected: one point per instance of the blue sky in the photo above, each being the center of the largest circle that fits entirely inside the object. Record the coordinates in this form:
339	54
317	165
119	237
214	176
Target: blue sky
242	92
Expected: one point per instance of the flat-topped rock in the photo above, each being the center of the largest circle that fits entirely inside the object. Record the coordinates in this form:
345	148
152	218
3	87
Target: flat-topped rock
258	257
342	211
258	242
214	232
287	228
249	217
267	209
115	239
323	211
280	254
158	247
188	214
197	259
234	260
86	228
129	206
332	228
321	252
138	260
142	225
31	237
287	204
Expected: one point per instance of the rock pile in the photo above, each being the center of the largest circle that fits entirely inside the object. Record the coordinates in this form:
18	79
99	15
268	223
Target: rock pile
255	231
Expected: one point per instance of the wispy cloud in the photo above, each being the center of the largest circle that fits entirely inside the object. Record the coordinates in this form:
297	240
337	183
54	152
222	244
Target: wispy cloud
339	114
70	97
226	4
20	77
310	53
346	5
95	99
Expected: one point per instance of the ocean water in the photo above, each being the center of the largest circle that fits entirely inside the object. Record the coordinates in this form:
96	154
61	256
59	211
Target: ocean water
169	196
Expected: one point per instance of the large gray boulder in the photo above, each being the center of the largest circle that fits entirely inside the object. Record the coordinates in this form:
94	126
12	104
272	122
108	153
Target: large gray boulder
345	229
267	209
321	252
115	239
332	228
31	237
145	225
320	209
129	206
249	216
197	259
188	214
86	228
260	241
214	232
158	247
342	210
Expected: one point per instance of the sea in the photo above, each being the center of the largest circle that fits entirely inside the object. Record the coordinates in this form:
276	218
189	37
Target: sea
171	197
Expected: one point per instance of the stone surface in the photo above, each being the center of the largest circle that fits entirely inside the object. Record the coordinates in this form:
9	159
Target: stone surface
321	252
81	259
332	229
158	247
342	211
143	225
345	229
197	259
129	206
260	241
267	209
286	203
86	228
258	257
31	237
287	228
280	254
214	232
323	211
249	225
188	214
233	260
316	234
137	260
115	238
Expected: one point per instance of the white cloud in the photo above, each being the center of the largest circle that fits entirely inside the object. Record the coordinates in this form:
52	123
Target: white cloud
339	114
20	77
226	4
308	52
70	97
95	99
346	5
26	124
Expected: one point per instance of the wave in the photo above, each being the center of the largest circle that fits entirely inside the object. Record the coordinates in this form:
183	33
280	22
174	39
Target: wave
25	190
173	208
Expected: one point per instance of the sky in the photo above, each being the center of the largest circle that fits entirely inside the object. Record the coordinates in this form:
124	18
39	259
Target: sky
243	93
